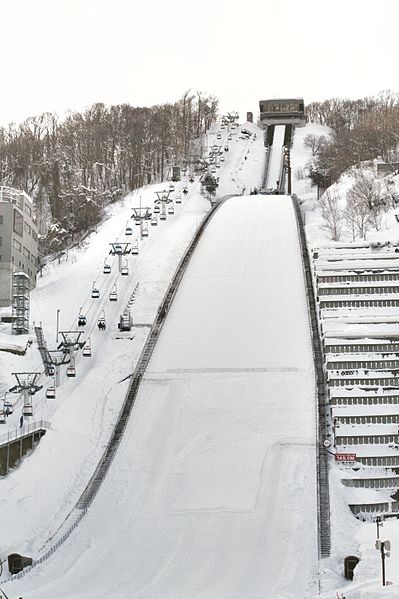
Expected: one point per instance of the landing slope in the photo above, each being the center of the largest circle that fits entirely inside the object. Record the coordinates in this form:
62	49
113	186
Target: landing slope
212	494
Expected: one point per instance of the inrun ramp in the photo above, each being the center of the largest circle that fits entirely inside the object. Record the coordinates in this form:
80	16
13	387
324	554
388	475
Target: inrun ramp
213	493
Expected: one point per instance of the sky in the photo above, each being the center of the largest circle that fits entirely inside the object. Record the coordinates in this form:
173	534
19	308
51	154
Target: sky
66	55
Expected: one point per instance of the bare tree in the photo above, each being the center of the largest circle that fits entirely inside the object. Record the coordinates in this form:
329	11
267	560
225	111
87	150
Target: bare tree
366	192
332	213
314	143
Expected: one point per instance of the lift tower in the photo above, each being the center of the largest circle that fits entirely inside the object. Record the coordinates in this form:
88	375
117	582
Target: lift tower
27	387
119	249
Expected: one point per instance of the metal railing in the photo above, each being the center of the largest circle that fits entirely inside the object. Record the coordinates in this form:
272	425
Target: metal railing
323	495
23	431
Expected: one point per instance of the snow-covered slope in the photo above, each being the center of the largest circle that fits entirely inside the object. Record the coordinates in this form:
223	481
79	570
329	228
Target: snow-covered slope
217	466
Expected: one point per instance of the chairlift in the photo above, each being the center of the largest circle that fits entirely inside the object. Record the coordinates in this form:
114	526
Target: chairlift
101	322
128	230
107	268
71	371
82	320
8	408
191	179
86	352
185	191
178	198
171	208
162	216
50	370
117	248
3	417
125	270
137	221
154	221
50	393
144	230
171	187
113	296
95	292
157	209
27	410
135	248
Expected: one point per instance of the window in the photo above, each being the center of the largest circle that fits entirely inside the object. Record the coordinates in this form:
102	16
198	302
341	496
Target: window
16	245
18	225
27	228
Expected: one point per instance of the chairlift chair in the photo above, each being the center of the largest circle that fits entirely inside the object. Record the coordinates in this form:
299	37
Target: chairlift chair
144	231
86	351
95	293
50	370
162	216
101	322
125	270
113	296
50	393
8	408
171	209
171	187
157	209
135	249
71	371
82	320
191	179
137	221
154	221
128	230
27	410
3	417
178	198
107	269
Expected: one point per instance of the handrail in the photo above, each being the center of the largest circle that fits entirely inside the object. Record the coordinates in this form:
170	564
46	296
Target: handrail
323	494
23	431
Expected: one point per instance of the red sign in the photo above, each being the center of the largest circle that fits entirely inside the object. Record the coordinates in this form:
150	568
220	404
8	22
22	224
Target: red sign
345	457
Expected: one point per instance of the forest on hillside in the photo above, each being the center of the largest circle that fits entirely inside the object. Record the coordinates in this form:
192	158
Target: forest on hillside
361	130
75	166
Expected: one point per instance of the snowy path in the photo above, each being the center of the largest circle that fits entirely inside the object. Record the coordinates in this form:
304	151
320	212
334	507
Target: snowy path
213	489
273	174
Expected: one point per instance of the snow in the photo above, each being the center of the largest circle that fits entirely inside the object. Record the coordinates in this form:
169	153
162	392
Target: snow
274	170
212	493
